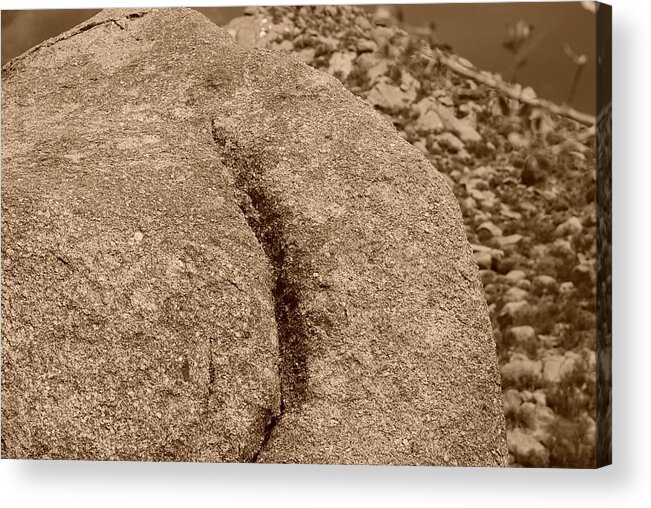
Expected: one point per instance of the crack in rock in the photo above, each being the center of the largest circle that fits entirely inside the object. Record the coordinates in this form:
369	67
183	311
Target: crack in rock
271	424
263	215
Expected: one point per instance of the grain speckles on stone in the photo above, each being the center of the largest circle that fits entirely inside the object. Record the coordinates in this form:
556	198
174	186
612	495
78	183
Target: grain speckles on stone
266	272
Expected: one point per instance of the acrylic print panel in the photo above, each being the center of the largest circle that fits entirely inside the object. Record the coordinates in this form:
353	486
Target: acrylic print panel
383	240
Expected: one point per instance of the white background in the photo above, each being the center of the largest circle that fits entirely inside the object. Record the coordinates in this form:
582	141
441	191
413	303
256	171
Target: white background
626	483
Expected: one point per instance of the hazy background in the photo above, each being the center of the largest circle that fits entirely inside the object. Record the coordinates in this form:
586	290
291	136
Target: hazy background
475	31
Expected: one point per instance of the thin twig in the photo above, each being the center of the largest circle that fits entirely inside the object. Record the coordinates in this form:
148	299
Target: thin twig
504	87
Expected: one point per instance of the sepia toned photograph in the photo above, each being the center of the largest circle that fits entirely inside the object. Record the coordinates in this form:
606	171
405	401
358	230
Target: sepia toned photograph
347	235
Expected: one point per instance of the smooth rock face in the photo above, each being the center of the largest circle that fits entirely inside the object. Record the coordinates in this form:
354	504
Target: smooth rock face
143	319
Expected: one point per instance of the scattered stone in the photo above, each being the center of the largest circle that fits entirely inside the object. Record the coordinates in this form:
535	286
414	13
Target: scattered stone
539	251
527	414
469	204
388	97
307	55
584	274
549	341
540	421
509	241
570	227
515	276
443	98
487	276
528	93
591	360
377	71
478	190
545	283
421	144
520	369
487	230
540	397
485	173
512	401
285	45
483	259
561	329
512	311
524	284
383	16
526	395
460	127
429	122
382	35
341	63
556	367
509	262
569	146
523	335
450	142
409	86
510	214
515	294
363	23
562	248
366	61
566	288
527	450
518	141
365	45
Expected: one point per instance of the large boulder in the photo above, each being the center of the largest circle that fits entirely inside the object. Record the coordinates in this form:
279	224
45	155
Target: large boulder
218	254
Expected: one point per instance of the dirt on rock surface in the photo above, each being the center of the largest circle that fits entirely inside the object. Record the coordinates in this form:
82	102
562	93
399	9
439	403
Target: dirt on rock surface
220	254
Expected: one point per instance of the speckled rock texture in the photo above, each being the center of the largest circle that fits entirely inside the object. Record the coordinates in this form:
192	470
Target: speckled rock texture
217	254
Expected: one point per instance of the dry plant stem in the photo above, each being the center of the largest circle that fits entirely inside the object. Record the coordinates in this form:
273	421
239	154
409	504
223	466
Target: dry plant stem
575	83
507	89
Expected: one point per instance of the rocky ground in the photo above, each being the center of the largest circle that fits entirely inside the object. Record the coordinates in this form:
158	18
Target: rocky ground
524	179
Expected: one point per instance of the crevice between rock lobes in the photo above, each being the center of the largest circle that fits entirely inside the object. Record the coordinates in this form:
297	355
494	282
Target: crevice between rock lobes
264	216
